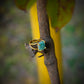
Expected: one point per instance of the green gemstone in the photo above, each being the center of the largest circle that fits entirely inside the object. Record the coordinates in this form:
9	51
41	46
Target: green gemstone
41	45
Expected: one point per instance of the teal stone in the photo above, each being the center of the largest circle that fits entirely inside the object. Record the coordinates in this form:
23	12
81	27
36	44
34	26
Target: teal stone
41	45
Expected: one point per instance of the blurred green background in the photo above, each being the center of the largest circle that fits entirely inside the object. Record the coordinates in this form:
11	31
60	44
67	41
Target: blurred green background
73	46
16	64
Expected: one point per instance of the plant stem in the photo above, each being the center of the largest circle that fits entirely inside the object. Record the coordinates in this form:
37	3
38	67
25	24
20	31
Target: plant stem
50	60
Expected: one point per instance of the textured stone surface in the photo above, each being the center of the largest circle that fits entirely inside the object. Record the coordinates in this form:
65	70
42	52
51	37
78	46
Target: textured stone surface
41	45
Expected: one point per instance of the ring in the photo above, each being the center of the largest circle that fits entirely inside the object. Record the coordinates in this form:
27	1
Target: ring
37	44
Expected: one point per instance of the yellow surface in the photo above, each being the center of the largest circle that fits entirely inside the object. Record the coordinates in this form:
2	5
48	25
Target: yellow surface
42	71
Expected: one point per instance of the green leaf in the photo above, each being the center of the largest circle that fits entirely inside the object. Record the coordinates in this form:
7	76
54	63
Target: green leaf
60	12
24	4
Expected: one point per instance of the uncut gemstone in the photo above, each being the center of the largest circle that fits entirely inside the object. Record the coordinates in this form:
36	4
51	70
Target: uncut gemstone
41	45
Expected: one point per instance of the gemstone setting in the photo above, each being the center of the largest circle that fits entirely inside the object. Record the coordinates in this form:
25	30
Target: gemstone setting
41	45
